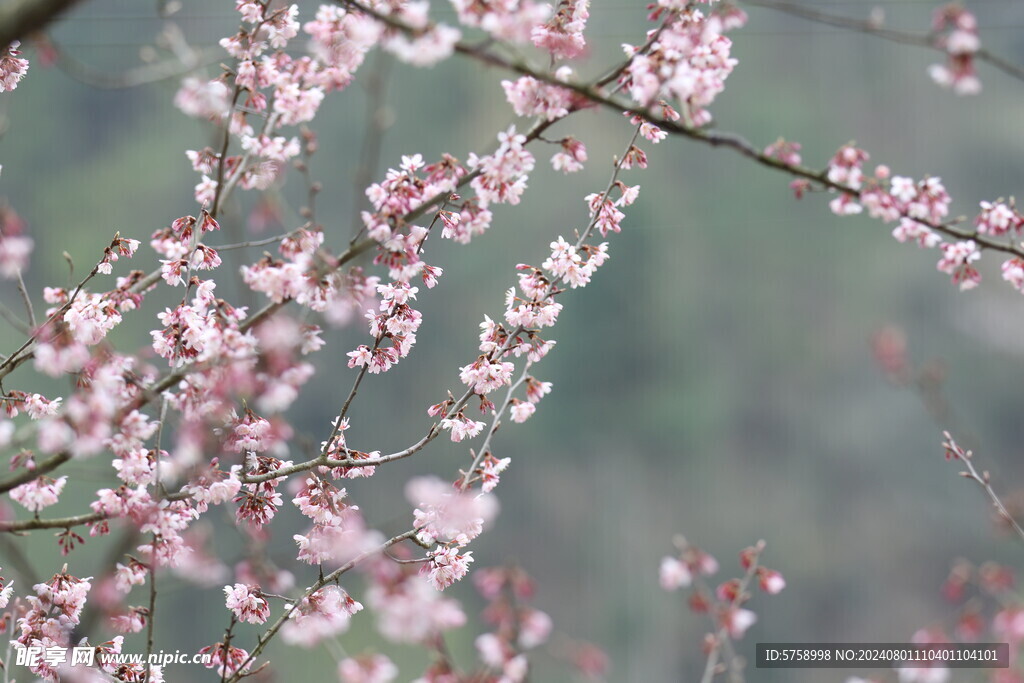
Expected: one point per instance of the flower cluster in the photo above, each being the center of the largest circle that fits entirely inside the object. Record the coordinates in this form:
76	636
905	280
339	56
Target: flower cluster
688	62
220	436
518	628
510	20
396	322
338	533
258	502
562	35
988	608
571	158
12	67
725	605
503	174
15	246
322	614
373	668
407	608
226	660
40	493
247	603
530	97
446	514
50	616
920	208
956	32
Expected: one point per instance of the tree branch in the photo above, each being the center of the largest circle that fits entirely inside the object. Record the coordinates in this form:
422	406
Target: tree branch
707	137
19	18
871	28
954	451
317	585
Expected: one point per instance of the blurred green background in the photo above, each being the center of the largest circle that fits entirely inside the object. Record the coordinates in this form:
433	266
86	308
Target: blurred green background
715	380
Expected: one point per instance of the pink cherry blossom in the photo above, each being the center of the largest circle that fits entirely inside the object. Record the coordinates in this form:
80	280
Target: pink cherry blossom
674	574
367	669
39	493
956	261
247	603
12	67
446	566
323	614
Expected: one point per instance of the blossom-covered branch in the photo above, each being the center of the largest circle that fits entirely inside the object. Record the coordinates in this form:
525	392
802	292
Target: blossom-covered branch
920	207
199	419
689	568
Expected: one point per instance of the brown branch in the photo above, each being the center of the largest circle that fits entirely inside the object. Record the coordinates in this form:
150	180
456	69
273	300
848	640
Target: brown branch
435	429
23	290
222	156
150	618
339	422
707	137
27	475
168	381
19	18
68	522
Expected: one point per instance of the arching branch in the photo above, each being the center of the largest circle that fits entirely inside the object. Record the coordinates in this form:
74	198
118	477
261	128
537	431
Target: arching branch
19	18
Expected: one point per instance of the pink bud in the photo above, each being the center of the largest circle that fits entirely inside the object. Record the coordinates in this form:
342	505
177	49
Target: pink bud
771	581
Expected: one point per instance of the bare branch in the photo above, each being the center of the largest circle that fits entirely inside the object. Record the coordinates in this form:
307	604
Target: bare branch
27	299
132	78
904	37
954	451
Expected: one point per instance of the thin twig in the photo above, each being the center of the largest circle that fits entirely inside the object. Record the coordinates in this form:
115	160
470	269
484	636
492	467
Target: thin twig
339	423
722	642
269	634
18	324
983	480
8	366
27	299
222	156
157	494
253	243
369	155
17	559
904	37
132	78
485	447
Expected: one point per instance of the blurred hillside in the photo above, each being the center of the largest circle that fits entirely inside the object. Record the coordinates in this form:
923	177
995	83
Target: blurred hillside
715	380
